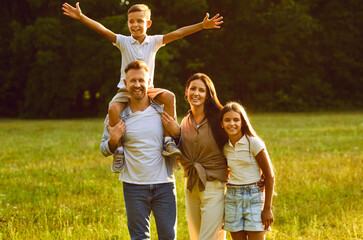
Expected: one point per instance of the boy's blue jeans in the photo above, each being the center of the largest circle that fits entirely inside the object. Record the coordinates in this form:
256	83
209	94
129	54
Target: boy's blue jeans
140	200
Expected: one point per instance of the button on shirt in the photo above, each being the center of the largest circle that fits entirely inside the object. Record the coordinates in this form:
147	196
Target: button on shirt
201	158
131	50
241	160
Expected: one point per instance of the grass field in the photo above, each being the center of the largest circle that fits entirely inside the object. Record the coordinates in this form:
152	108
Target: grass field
55	184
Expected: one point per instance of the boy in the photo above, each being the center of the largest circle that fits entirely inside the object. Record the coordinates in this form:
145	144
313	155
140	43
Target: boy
140	46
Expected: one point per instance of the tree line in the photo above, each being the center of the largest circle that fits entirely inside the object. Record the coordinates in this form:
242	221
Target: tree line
277	55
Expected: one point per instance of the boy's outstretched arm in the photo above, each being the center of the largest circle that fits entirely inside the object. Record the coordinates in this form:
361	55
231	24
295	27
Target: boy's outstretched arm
207	23
77	14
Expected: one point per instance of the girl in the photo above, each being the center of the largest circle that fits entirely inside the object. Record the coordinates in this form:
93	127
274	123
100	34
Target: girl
247	209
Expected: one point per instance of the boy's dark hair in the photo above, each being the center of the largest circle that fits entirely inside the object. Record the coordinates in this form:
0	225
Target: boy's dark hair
137	65
140	8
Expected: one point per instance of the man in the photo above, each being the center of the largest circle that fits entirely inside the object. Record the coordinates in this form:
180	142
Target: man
148	180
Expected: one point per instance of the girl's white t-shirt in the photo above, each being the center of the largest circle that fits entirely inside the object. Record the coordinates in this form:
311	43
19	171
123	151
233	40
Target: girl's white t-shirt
241	160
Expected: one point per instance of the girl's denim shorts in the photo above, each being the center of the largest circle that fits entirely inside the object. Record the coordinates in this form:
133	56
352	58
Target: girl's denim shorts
243	207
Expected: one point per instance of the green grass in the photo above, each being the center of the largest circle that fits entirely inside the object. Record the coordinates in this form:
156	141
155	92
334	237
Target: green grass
55	184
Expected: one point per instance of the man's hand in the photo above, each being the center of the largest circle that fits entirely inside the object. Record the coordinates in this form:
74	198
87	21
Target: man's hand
170	124
71	11
116	133
214	22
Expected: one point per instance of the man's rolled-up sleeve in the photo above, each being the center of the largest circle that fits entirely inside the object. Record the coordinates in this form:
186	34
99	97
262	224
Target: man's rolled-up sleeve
105	149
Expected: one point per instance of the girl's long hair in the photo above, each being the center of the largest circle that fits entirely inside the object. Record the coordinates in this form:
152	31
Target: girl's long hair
246	127
212	108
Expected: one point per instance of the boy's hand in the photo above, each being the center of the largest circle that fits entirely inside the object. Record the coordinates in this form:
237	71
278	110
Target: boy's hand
71	11
214	22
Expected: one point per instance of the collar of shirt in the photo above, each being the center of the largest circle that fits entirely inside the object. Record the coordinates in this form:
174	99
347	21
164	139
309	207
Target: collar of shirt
127	111
146	40
242	141
202	160
192	120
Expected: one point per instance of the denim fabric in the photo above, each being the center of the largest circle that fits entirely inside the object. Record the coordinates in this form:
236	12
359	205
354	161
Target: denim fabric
140	200
243	208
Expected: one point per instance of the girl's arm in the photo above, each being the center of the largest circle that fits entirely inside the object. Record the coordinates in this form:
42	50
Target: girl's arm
264	162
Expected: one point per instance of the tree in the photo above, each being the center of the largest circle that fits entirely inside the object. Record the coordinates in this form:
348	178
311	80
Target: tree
279	55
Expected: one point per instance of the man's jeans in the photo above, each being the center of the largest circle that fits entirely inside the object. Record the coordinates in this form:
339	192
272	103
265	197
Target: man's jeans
140	200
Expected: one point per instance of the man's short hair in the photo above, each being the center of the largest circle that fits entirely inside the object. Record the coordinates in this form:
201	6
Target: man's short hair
137	65
140	8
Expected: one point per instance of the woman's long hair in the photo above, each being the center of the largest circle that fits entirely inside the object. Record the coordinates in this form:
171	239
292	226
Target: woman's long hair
212	108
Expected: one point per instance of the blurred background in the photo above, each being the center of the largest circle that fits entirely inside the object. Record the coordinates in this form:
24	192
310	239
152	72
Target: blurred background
280	56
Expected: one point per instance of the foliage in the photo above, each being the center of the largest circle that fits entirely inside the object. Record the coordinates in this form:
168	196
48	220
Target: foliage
276	55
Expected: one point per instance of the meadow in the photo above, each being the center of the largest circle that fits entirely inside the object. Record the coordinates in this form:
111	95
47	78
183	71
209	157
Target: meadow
55	184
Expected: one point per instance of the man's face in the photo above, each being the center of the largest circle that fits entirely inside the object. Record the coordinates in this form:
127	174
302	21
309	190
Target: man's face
137	82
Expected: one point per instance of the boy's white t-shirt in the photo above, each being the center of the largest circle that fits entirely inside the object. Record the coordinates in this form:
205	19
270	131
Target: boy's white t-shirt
241	160
132	50
143	143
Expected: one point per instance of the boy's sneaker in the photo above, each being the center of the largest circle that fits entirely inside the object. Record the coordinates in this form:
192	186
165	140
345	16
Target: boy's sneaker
118	163
170	149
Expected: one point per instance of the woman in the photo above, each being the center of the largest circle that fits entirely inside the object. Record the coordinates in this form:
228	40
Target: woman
205	167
